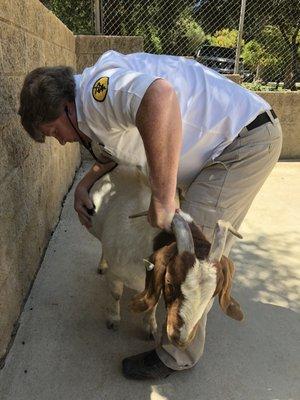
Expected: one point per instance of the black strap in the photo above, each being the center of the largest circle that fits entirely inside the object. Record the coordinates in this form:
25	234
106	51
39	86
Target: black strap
261	119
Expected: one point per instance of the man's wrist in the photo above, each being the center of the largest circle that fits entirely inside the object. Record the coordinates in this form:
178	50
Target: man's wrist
79	188
165	202
84	184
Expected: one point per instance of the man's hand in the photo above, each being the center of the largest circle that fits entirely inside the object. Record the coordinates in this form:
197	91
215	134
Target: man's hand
82	203
160	214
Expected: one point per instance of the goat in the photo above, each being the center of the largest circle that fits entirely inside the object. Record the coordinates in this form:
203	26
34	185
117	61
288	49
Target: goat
181	265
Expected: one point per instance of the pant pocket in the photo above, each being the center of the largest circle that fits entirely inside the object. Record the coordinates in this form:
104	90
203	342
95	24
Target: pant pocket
275	131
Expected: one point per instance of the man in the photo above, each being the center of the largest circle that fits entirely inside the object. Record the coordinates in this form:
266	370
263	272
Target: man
183	125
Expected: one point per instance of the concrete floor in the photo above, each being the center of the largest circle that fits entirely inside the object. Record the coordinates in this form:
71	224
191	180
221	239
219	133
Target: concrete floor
64	351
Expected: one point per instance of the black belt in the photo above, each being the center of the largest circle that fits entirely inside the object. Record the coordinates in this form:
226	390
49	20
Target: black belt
260	120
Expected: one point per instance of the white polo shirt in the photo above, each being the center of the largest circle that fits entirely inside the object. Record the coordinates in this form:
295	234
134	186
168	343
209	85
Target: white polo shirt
213	108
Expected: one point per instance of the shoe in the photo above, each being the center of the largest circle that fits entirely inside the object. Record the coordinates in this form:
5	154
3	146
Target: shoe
145	366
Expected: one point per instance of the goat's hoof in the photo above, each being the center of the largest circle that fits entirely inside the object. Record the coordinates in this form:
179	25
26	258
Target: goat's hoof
101	271
102	267
113	325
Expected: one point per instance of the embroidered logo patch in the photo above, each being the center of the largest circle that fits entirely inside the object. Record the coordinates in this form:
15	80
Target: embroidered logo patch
100	88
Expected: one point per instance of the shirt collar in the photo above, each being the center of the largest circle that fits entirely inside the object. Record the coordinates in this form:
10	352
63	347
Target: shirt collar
78	102
82	125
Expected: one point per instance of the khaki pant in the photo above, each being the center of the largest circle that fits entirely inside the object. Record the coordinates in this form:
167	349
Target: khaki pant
225	189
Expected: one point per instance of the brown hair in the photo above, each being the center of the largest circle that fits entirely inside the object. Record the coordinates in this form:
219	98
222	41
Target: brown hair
42	96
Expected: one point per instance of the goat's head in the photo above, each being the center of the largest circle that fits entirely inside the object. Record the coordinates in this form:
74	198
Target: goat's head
189	272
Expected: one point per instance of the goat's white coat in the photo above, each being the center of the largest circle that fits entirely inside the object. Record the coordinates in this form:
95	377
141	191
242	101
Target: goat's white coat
197	289
126	242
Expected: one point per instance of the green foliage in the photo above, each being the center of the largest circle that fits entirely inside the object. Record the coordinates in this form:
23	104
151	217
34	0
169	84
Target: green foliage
77	15
252	54
139	20
259	87
267	56
186	36
271	31
166	27
225	38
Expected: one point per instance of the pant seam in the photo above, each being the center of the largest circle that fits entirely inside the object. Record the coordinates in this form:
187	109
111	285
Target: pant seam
221	190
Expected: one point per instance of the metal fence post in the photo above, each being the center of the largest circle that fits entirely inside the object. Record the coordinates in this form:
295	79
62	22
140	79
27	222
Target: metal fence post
240	37
97	17
101	18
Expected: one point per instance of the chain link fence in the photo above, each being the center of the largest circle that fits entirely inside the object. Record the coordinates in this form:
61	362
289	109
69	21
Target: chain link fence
260	40
209	30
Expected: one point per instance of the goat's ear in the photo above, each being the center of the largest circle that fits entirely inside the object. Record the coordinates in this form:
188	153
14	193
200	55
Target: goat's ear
228	304
154	280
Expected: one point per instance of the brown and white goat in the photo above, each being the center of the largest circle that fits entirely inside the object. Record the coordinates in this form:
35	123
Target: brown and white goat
189	272
183	265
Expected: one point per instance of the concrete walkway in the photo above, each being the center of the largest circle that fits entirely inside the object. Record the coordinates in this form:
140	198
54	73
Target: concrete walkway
63	350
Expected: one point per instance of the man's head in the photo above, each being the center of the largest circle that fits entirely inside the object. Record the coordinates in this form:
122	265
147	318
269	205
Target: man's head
46	94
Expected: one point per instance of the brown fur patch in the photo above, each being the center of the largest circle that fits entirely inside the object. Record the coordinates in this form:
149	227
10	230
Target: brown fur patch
154	279
176	273
202	245
163	239
225	272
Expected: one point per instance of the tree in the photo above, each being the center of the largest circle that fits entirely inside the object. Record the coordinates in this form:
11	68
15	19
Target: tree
167	27
224	38
267	55
77	15
284	15
186	35
214	15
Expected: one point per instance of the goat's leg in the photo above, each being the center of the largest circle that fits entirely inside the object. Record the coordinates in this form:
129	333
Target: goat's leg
149	322
113	308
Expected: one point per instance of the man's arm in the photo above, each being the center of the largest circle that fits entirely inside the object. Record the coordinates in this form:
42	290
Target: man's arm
82	201
159	122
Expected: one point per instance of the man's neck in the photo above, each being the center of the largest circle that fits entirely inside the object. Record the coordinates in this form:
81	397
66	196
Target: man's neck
86	140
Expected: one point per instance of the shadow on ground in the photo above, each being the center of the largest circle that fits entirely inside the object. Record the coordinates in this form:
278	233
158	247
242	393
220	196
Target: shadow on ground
63	349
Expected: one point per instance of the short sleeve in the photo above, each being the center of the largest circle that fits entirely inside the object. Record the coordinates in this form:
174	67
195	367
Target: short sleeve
112	98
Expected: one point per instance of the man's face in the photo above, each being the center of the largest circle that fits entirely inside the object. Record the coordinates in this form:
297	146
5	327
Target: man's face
61	128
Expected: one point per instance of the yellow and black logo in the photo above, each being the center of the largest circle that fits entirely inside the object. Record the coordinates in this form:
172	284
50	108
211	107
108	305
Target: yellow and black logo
100	88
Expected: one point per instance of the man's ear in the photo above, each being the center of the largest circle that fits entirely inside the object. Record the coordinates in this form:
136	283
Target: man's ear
228	304
154	280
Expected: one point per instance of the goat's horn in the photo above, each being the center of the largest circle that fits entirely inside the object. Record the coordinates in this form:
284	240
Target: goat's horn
219	239
182	232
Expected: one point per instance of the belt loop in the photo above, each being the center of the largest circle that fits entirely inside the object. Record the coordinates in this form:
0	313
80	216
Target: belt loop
270	115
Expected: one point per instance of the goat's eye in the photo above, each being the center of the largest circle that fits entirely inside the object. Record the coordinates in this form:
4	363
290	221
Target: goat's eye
170	290
170	285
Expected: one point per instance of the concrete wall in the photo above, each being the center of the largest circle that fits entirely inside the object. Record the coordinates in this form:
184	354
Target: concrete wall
33	177
287	107
90	48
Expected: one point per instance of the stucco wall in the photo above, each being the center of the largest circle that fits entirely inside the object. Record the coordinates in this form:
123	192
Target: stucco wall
287	107
33	177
